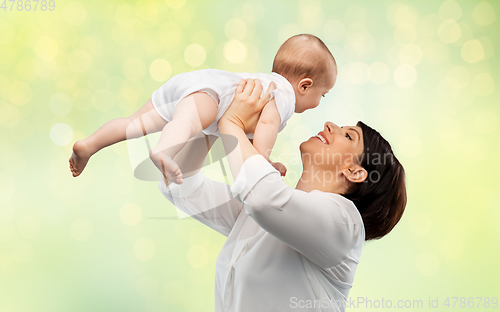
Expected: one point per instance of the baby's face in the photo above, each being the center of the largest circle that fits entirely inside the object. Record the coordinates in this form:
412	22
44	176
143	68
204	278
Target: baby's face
312	97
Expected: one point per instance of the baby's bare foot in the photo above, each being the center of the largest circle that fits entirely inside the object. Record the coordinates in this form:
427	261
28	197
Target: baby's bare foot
79	158
167	167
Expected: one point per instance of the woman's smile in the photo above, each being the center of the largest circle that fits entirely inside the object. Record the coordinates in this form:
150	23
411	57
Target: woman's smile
322	137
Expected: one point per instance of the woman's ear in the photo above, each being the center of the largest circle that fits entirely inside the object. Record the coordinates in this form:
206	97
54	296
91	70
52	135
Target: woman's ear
355	174
304	85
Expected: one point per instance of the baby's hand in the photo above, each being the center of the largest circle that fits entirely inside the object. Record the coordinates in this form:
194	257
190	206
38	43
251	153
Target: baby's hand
280	167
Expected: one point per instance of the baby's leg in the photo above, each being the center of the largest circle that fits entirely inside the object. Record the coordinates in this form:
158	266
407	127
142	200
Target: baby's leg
191	115
145	120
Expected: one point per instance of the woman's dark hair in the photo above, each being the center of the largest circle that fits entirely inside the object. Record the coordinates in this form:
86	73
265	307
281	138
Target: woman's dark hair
381	198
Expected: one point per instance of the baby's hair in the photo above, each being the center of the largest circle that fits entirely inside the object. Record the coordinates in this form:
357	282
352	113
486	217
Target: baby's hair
303	56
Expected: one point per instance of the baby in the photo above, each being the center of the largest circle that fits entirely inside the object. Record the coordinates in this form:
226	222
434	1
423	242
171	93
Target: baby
304	70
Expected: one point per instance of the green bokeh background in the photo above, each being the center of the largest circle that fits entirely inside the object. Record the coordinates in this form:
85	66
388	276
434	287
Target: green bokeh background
420	72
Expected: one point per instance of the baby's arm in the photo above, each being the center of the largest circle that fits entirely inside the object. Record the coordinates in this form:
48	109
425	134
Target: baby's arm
266	133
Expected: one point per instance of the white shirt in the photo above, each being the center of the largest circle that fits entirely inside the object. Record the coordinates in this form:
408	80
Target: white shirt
220	85
286	249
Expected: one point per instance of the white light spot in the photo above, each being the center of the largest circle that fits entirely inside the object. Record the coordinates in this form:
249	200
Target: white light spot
472	51
235	51
410	54
74	13
484	14
235	29
359	73
195	55
379	73
450	10
22	252
79	61
61	104
334	31
46	48
144	249
410	146
483	84
54	213
458	77
449	31
130	214
103	100
81	230
197	256
61	134
160	70
427	264
405	76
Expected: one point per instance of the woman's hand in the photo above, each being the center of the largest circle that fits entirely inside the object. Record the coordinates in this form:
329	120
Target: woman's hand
247	105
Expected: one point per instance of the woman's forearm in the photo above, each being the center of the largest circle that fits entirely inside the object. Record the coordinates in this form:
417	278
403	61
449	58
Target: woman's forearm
243	150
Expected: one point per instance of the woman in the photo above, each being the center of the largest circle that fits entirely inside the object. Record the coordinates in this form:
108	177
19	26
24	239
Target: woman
294	249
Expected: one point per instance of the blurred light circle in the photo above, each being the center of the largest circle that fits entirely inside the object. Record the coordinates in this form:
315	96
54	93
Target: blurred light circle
334	31
484	14
61	134
405	34
197	256
486	121
92	45
144	249
359	73
449	31
477	149
175	4
287	31
61	104
147	287
449	130
7	187
405	76
79	61
310	13
472	51
194	55
420	223
20	93
483	84
103	100
410	54
130	214
361	42
44	68
160	70
235	51
81	230
410	146
9	116
170	33
134	69
7	32
437	52
450	9
427	264
28	225
379	73
452	247
399	13
54	213
46	48
7	233
487	46
22	251
235	29
458	77
125	16
74	13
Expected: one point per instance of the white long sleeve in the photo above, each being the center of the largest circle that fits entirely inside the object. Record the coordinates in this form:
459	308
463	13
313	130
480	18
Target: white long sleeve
285	249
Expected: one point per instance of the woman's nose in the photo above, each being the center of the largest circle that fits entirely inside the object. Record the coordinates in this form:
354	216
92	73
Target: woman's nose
330	127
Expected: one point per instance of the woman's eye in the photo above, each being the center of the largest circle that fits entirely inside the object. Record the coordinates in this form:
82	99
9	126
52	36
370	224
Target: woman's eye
323	95
348	136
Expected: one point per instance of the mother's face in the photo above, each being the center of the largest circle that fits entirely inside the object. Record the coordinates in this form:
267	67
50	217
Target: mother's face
334	149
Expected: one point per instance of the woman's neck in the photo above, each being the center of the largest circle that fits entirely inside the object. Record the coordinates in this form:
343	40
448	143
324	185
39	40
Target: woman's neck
325	181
